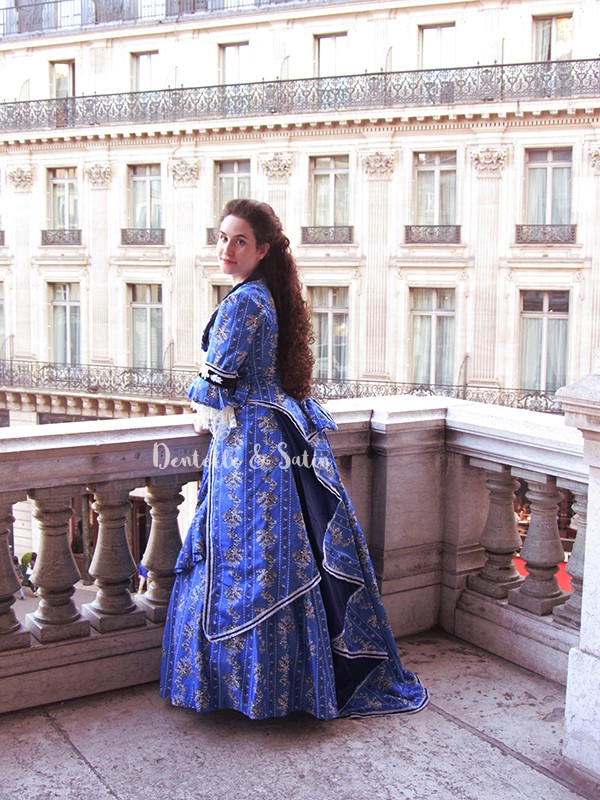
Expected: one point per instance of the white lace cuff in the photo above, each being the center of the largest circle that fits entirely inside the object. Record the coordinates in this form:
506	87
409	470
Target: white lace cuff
218	421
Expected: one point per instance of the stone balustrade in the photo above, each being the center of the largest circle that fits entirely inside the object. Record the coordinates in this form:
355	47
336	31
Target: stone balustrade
433	481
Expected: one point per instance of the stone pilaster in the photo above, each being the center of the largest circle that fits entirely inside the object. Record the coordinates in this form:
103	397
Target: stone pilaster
99	180
379	168
488	164
581	403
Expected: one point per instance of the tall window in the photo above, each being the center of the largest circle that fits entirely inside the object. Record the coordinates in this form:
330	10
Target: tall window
332	55
436	188
330	324
62	78
330	178
438	46
66	316
233	180
64	213
553	38
146	325
144	69
146	205
235	63
549	187
544	334
433	322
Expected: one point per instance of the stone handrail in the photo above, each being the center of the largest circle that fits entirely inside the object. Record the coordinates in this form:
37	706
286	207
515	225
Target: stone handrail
432	481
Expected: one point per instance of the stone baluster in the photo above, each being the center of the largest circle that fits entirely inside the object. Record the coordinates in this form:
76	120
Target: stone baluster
500	538
112	565
12	635
542	550
164	498
55	573
570	613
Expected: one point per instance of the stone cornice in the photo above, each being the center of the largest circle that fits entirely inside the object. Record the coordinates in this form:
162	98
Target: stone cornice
500	120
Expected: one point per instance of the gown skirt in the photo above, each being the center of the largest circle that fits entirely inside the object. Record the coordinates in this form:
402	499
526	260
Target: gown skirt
320	645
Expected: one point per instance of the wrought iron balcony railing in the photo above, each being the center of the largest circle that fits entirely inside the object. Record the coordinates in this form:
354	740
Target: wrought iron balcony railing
382	90
546	234
60	236
142	236
30	17
328	234
432	234
171	384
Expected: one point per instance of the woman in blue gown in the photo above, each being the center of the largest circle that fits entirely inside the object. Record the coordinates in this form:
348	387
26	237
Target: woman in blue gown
275	606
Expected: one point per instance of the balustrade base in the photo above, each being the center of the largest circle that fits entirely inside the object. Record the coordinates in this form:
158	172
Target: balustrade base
541	606
155	612
566	615
16	640
46	632
107	623
536	643
498	590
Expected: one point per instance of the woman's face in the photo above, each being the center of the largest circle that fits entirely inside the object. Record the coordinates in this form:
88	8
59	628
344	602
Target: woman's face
237	251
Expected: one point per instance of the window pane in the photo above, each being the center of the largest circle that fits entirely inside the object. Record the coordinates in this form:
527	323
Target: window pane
421	349
340	216
447	214
340	347
444	350
536	196
561	196
531	351
532	301
425	198
422	299
556	354
558	302
445	299
318	296
139	343
340	297
320	346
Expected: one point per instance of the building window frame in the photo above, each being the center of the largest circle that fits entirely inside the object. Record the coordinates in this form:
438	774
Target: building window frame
62	79
331	54
144	71
549	188
433	335
232	180
544	338
330	190
63	198
437	46
146	320
435	187
145	186
330	312
553	38
65	310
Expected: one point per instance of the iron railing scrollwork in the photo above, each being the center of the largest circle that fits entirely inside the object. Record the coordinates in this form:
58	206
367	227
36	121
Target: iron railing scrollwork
546	234
172	385
142	236
211	236
328	234
432	234
384	90
60	236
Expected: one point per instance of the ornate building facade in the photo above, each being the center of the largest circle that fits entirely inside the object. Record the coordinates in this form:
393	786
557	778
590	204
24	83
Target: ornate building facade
437	170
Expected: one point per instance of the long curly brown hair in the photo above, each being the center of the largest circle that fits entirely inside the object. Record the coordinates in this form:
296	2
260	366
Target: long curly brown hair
278	268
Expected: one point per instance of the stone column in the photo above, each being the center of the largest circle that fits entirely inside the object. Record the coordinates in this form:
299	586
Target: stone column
164	498
570	613
500	537
55	573
113	566
581	403
489	163
542	551
379	168
12	635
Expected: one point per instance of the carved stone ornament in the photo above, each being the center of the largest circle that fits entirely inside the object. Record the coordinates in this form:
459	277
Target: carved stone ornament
489	162
277	167
185	173
99	175
21	179
595	158
379	165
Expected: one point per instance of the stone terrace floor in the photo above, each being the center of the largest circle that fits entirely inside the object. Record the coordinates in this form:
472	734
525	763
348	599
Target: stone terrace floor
491	732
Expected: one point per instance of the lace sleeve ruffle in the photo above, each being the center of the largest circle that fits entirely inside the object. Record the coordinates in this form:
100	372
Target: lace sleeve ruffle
219	421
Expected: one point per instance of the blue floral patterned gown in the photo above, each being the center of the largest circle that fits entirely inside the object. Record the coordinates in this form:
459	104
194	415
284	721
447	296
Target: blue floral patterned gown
275	607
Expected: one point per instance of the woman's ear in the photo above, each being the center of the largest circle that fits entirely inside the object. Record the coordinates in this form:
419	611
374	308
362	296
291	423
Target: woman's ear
263	250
